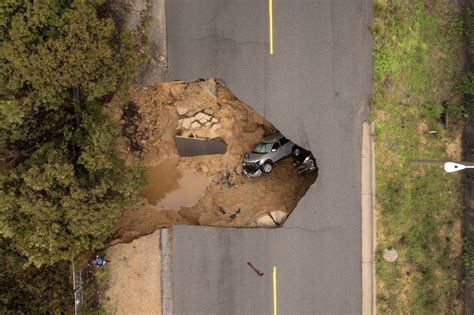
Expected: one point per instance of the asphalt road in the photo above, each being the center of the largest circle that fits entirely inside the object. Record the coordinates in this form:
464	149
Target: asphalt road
315	88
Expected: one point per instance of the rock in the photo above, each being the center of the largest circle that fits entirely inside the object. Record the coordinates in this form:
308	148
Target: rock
214	131
239	170
279	216
182	109
390	254
234	215
209	86
177	90
187	134
207	124
214	120
204	168
209	111
187	122
201	116
195	125
265	220
190	106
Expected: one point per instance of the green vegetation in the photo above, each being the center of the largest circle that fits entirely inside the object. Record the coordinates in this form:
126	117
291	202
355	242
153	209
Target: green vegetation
64	198
49	47
418	74
96	282
31	290
63	182
468	85
468	258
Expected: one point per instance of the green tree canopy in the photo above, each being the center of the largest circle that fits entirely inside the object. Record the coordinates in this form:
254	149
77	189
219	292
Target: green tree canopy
65	197
32	290
48	47
62	182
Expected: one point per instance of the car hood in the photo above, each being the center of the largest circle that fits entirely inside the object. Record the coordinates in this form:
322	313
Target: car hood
253	157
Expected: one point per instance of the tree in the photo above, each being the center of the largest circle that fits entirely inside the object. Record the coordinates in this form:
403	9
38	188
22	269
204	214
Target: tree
62	181
66	196
31	290
49	47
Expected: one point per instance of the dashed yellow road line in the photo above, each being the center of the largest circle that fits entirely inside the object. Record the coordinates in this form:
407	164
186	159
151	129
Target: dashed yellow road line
270	13
274	291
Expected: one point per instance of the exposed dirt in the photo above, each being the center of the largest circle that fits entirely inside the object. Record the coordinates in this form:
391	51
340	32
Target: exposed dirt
134	286
225	197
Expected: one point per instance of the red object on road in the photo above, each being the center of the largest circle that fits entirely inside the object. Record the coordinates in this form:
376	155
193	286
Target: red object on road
255	269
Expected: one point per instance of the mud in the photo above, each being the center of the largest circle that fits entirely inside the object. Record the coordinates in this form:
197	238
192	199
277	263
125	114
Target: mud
169	188
205	190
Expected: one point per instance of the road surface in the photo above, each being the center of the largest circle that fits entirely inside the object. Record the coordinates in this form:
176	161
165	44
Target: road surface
315	88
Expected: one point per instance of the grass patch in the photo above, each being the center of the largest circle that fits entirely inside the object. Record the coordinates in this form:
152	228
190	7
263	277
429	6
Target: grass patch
102	276
95	284
468	259
418	73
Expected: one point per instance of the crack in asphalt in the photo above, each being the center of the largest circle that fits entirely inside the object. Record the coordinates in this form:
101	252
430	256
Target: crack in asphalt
324	229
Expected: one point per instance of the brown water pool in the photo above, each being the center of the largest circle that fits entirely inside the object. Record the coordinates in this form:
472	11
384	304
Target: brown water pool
170	188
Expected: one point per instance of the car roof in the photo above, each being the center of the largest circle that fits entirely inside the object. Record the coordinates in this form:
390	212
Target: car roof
272	138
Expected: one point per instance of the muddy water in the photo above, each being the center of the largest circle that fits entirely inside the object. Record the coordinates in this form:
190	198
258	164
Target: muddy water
169	188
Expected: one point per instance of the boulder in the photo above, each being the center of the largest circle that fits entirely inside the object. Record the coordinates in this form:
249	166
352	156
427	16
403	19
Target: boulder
189	106
214	131
265	220
204	168
182	109
279	216
177	90
209	86
187	122
195	125
202	117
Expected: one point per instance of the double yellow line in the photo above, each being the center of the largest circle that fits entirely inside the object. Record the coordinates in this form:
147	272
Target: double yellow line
270	13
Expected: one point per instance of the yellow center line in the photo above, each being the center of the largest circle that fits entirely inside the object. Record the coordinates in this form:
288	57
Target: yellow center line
274	291
270	13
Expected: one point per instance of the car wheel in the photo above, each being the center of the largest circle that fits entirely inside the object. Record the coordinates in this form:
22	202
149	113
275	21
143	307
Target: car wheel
296	151
267	167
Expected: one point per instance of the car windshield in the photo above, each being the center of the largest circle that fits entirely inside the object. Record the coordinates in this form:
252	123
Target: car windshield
262	148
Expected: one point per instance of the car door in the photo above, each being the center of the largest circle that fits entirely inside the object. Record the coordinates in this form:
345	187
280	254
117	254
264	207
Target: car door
286	146
277	153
